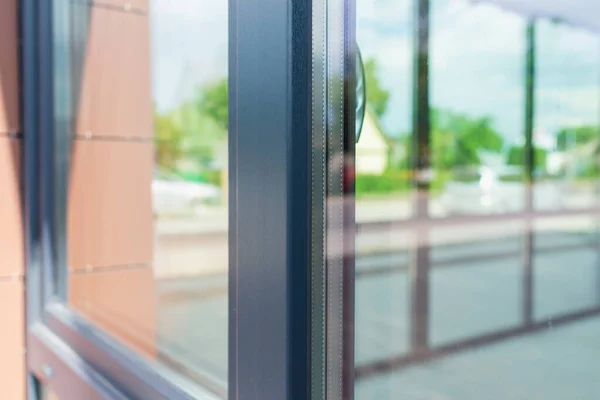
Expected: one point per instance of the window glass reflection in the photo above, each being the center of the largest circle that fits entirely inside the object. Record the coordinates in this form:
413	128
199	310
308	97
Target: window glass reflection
189	187
567	116
477	56
383	186
382	163
480	279
147	180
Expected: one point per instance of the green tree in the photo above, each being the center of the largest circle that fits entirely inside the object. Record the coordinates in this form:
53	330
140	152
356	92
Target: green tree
377	96
201	134
458	139
575	136
194	129
516	156
168	140
213	101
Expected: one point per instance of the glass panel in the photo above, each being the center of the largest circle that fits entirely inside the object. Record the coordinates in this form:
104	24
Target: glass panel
476	51
463	260
142	177
382	153
567	117
565	267
477	276
383	191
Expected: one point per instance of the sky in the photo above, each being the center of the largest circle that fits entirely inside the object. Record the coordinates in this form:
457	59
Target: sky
189	47
476	53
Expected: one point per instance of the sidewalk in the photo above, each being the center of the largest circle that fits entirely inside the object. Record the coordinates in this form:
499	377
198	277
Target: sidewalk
197	245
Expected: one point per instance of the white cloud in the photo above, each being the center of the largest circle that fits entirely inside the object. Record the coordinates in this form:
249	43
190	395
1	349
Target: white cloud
568	77
560	107
392	52
383	12
559	42
477	56
189	46
384	32
463	33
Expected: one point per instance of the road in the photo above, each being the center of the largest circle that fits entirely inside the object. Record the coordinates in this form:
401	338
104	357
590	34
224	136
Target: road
469	296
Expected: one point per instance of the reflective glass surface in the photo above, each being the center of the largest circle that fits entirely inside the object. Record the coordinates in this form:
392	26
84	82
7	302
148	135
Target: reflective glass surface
477	247
142	177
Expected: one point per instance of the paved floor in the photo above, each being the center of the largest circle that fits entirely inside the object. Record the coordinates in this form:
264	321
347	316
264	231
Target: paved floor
469	298
556	364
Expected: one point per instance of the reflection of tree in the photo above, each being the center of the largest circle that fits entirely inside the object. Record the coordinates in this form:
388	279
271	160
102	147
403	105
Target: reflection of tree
201	135
212	100
516	156
377	96
458	139
195	130
168	138
567	138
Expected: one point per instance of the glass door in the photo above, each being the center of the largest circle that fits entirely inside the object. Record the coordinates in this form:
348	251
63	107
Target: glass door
475	259
330	200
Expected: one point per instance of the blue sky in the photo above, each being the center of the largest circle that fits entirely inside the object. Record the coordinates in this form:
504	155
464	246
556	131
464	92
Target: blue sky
476	57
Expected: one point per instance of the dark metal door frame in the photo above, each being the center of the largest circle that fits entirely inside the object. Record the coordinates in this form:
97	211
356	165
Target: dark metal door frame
270	213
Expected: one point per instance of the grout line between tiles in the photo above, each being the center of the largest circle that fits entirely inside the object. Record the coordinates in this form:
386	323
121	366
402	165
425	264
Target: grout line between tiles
108	138
12	278
90	269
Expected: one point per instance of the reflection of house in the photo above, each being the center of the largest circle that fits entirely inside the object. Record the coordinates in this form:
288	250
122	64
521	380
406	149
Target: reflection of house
374	149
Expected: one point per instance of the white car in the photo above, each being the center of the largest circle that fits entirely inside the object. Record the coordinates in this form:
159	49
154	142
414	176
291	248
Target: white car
172	195
499	190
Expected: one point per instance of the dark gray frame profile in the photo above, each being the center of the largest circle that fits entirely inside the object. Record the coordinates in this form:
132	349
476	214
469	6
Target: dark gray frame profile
333	139
48	359
270	210
270	199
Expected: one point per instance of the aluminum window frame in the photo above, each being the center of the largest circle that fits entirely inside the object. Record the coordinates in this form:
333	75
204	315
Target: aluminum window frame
73	358
269	94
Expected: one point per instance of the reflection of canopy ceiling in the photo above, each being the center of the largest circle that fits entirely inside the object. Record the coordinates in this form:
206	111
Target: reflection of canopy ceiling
582	13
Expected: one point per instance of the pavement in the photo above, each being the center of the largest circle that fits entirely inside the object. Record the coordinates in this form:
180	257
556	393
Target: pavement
555	364
468	298
195	245
476	281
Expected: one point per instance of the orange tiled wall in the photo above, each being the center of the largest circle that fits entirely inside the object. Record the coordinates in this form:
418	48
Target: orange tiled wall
109	214
12	312
110	227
